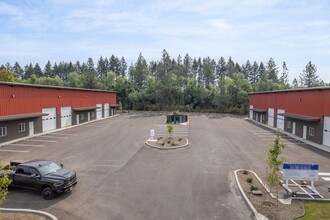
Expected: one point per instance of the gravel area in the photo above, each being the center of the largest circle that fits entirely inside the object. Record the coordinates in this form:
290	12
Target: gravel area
265	204
4	215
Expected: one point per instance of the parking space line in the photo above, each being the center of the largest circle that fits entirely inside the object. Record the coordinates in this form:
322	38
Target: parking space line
15	151
42	141
48	136
324	174
26	145
105	165
96	126
65	134
326	178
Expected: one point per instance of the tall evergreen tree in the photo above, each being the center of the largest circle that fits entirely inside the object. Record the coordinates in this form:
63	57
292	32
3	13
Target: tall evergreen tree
221	68
200	75
187	66
285	74
90	77
123	67
254	74
101	68
262	70
48	70
208	71
114	63
140	72
308	76
37	70
230	67
272	70
28	71
247	70
17	71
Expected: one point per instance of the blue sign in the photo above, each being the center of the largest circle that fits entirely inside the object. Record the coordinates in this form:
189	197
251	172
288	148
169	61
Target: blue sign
288	166
300	171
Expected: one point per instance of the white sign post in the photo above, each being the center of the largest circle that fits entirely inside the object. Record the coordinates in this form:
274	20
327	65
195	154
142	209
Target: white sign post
152	134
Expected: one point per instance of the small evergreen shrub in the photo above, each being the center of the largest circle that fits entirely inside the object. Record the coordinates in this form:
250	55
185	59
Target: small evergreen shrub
249	180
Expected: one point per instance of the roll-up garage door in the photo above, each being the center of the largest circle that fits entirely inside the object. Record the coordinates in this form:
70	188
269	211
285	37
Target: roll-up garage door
251	112
49	121
271	117
106	110
99	111
66	116
280	119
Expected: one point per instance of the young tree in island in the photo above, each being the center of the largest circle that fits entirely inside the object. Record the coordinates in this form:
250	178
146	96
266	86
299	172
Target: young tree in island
4	183
274	162
170	129
308	76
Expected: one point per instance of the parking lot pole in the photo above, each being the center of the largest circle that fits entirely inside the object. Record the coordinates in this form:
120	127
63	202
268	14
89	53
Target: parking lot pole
287	184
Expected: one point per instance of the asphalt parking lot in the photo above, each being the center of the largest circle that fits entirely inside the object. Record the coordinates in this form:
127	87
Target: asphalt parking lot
121	178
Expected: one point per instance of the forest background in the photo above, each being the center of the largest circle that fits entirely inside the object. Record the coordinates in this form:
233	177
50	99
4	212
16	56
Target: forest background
182	83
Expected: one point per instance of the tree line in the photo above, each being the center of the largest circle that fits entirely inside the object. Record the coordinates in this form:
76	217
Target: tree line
184	83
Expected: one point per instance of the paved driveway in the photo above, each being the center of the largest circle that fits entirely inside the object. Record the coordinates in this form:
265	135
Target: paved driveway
120	178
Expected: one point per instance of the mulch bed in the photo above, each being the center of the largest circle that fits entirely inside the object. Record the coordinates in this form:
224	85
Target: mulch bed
169	142
265	204
5	215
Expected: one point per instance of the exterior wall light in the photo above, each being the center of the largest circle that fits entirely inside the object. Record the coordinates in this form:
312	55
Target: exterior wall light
13	96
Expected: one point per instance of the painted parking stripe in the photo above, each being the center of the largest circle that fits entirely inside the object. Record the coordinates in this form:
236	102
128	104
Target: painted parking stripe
326	178
324	174
15	151
48	136
42	141
95	126
64	134
26	145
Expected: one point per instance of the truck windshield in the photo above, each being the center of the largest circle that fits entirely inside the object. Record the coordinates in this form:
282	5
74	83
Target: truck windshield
49	168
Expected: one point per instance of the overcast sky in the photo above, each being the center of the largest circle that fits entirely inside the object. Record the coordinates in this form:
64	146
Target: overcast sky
294	31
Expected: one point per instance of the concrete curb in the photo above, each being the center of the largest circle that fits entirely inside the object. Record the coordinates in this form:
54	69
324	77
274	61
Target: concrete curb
50	216
49	132
167	148
257	215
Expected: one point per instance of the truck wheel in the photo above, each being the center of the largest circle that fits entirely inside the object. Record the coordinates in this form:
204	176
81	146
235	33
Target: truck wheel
48	193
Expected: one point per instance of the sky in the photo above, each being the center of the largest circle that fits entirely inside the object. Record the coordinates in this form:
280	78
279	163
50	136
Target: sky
294	31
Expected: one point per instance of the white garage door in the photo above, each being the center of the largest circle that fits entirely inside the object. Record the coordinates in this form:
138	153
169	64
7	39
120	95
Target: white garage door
66	116
326	131
99	111
251	112
106	110
271	117
280	119
49	121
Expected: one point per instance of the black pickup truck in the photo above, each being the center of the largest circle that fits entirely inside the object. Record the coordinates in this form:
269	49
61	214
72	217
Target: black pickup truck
46	176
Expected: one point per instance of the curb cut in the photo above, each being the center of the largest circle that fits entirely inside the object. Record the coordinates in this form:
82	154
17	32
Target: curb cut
254	211
167	148
30	211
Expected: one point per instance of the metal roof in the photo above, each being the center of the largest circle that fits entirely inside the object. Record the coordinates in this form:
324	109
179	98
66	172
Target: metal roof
300	117
292	90
21	116
259	110
53	87
85	108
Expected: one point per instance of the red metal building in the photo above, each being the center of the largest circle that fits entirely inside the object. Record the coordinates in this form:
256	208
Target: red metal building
27	109
303	112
